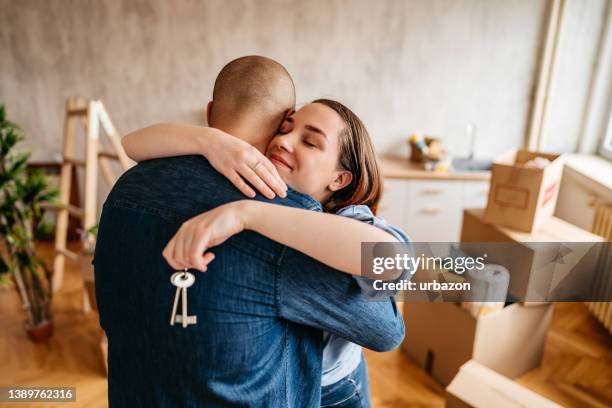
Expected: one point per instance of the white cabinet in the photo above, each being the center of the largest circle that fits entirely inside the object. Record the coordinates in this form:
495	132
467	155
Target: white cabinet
475	194
394	203
433	214
430	210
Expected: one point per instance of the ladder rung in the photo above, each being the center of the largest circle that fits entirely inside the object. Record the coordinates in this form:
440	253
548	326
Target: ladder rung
66	252
108	155
77	111
75	211
75	162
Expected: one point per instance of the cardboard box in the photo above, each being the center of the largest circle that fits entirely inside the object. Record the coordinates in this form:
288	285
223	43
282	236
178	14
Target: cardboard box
476	386
441	337
558	261
521	197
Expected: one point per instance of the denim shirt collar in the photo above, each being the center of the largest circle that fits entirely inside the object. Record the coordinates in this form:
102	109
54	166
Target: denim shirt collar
304	200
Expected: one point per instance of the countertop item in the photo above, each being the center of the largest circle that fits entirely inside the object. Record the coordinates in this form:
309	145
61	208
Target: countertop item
401	168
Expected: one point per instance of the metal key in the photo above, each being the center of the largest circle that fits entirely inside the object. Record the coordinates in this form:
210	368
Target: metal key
182	281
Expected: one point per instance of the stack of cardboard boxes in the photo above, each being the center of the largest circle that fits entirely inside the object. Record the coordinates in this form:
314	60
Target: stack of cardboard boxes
443	337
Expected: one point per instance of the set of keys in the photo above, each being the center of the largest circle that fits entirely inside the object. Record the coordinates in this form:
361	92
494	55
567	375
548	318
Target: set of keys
182	280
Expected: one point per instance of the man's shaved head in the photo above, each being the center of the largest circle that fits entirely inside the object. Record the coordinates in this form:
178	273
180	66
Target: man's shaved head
254	89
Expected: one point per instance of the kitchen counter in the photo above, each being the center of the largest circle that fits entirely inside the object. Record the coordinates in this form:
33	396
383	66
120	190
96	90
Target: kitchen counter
401	168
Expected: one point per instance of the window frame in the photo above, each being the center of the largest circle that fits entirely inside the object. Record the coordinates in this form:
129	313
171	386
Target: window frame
605	149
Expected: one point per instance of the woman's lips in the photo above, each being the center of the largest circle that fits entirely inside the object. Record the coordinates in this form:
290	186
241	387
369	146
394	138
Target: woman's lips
280	160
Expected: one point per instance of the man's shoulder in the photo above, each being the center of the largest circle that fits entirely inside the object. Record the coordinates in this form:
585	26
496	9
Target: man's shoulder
186	184
194	167
189	184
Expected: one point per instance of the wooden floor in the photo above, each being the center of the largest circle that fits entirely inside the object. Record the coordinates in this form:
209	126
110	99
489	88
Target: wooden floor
576	371
71	359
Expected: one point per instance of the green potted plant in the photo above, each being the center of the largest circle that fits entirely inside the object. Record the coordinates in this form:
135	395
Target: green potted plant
22	191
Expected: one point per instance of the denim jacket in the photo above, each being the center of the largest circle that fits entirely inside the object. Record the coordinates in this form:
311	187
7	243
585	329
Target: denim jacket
340	356
261	307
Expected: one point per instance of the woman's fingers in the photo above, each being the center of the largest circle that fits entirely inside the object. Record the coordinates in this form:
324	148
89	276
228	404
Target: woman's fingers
255	180
282	187
187	238
178	252
198	246
206	259
189	256
168	254
239	183
273	181
240	163
186	247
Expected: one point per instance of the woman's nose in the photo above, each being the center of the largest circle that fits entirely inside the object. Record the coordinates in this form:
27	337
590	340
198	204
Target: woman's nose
286	142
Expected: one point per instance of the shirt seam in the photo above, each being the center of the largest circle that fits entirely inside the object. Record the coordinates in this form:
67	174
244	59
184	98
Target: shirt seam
286	363
285	328
163	212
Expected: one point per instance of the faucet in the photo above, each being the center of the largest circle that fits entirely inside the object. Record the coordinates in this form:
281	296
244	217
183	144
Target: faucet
470	133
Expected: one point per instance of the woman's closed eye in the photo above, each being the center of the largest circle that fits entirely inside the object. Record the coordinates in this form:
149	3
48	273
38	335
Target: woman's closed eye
314	140
309	143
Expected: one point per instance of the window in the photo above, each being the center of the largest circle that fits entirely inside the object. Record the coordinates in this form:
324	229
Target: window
606	145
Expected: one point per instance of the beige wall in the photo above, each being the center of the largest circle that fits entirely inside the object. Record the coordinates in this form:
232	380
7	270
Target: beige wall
402	65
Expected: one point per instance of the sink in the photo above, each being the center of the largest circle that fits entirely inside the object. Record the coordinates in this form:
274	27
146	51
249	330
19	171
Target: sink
466	164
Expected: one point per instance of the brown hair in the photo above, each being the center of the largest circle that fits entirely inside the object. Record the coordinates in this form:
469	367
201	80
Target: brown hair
357	156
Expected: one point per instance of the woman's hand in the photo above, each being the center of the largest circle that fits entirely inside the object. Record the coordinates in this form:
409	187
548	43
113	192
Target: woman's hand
186	249
239	161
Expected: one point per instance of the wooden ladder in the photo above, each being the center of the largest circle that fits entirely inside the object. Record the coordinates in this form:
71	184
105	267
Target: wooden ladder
91	114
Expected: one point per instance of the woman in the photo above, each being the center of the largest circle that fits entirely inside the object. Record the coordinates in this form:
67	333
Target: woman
322	150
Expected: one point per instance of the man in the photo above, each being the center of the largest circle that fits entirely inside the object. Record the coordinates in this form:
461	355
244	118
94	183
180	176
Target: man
260	307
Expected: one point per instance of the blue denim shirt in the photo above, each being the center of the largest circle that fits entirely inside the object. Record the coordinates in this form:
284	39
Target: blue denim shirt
340	356
261	306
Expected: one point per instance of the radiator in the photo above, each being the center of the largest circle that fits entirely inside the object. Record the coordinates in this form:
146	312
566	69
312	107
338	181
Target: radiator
602	225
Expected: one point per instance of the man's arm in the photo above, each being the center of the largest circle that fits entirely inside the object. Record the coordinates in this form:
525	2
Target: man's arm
316	295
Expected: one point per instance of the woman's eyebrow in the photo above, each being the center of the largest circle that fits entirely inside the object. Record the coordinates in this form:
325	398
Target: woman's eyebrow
316	130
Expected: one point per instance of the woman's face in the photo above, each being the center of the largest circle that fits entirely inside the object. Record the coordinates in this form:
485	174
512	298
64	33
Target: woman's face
306	151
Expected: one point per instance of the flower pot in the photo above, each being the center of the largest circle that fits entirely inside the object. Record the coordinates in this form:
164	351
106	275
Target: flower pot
41	333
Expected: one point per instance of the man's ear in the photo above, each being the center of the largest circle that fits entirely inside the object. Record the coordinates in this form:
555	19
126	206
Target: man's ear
209	112
343	179
288	113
